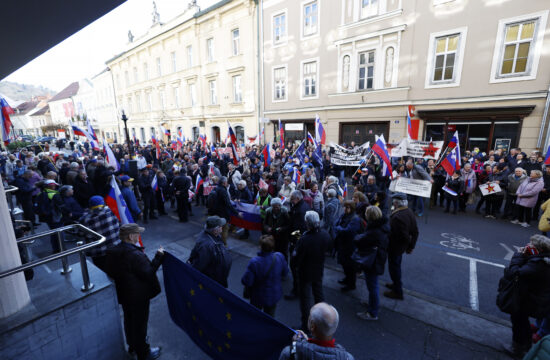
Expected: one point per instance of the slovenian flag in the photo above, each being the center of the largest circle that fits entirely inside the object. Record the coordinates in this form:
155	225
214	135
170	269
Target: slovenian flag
281	135
198	183
547	160
6	121
115	201
153	139
452	160
78	131
251	219
410	115
165	131
296	176
233	137
320	134
155	183
110	156
381	150
202	139
266	152
449	190
454	141
311	139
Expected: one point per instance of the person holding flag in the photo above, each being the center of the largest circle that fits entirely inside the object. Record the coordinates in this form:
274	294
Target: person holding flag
233	144
320	134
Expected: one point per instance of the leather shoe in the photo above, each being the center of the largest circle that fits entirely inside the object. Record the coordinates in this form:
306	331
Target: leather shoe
154	353
389	285
393	295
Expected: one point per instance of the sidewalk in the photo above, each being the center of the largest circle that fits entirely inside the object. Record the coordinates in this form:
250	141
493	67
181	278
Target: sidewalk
417	328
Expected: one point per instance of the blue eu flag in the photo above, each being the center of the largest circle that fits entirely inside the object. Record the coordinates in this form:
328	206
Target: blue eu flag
219	322
300	153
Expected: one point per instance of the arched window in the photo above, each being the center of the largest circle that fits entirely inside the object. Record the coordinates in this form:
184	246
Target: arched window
195	133
215	134
239	133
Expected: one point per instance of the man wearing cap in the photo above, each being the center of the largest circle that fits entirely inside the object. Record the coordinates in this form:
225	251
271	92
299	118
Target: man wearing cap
101	219
403	236
209	255
136	284
129	196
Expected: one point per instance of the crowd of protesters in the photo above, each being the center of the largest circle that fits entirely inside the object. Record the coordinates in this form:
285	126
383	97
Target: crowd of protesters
305	209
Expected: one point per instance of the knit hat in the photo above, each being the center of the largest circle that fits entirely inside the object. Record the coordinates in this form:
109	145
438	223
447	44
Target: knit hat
128	229
95	201
214	221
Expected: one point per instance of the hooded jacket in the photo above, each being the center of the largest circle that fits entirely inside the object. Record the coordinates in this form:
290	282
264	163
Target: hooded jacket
529	190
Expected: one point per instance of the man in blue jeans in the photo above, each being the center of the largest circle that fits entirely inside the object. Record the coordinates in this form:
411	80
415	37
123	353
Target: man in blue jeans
403	236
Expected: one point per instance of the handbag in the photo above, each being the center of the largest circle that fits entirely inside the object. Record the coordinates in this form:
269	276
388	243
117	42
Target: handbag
246	290
364	260
508	297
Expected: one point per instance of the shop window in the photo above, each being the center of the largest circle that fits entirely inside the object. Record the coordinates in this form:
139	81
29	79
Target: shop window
239	133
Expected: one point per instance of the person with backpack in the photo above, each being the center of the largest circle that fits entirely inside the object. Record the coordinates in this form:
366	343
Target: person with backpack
209	255
263	276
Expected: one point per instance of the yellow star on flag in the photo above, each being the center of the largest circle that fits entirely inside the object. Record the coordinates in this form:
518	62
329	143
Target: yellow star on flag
192	292
228	316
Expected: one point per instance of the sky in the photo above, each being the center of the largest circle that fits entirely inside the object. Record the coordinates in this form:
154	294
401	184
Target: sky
83	55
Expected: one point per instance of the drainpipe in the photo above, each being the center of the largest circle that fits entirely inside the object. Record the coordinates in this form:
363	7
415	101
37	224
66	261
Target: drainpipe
259	13
543	124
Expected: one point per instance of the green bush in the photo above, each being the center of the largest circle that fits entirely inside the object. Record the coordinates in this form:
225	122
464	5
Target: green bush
17	145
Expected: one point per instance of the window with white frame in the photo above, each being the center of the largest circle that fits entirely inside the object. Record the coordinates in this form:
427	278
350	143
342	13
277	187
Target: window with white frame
518	47
138	102
210	49
279	83
162	99
142	133
518	40
176	95
365	73
237	91
159	67
174	61
136	78
213	92
279	28
310	18
369	8
189	56
235	39
445	58
130	107
145	71
149	101
126	78
193	94
309	79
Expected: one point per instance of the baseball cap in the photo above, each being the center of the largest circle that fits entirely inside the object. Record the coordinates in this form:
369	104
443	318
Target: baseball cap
214	221
50	181
126	178
95	201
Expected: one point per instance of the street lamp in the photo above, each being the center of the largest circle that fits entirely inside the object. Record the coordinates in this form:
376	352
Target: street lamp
125	119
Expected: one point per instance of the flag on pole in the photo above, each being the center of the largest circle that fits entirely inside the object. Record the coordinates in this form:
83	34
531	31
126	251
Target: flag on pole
410	115
198	183
449	190
381	150
179	139
6	121
452	160
165	131
454	141
110	156
233	144
154	139
115	201
547	159
92	137
320	134
311	139
155	183
262	134
296	176
266	152
78	131
301	151
281	135
202	139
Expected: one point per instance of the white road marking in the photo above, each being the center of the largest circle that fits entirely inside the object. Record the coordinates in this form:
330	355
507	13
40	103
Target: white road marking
459	242
48	270
509	252
474	297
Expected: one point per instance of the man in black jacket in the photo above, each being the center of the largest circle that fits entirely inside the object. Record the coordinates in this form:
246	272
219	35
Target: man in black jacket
136	284
309	259
223	207
181	185
144	184
403	236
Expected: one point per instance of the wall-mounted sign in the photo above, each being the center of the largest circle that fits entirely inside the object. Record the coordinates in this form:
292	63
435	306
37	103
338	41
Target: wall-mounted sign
294	126
503	144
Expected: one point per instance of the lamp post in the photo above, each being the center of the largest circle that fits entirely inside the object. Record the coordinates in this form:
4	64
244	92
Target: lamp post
125	119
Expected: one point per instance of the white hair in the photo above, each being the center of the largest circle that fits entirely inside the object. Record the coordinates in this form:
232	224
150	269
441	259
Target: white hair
312	219
326	318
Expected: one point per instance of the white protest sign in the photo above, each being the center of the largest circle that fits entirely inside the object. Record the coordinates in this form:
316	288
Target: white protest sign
418	149
489	188
422	188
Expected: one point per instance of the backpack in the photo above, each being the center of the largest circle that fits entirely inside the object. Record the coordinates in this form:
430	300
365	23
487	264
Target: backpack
508	297
44	206
211	201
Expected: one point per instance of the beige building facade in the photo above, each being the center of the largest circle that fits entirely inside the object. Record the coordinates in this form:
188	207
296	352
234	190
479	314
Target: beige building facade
479	67
198	72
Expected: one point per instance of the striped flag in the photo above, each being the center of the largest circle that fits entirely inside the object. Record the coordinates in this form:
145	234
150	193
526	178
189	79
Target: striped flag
110	156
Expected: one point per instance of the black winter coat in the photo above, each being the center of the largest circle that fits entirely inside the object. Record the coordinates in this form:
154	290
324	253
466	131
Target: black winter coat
83	191
376	235
404	231
297	216
135	276
534	280
223	207
309	255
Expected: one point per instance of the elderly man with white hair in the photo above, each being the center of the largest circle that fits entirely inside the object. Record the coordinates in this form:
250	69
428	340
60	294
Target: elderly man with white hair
308	258
322	323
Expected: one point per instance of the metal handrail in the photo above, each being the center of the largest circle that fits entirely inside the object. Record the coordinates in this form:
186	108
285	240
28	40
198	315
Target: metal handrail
62	254
10	188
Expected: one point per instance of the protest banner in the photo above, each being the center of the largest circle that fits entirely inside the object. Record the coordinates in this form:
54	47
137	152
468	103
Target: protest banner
348	157
207	190
418	149
422	188
489	188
